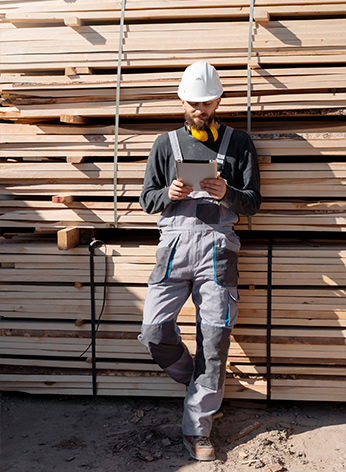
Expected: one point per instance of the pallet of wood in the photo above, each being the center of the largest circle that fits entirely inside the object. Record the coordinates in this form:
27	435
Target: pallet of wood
148	99
40	88
171	44
38	332
124	384
57	173
59	143
294	72
83	196
45	322
86	12
81	193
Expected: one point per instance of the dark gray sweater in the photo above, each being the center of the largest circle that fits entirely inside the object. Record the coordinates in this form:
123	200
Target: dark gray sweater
240	171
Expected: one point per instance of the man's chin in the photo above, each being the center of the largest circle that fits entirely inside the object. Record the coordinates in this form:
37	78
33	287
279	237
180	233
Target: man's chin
200	124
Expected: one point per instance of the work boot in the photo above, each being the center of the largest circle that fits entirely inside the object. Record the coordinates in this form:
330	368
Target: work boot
199	447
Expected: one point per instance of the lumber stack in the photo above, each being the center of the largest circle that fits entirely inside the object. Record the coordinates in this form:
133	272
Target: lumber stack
308	321
58	97
147	42
45	324
302	196
46	321
58	81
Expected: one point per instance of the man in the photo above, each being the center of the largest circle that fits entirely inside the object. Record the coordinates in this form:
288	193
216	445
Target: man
198	249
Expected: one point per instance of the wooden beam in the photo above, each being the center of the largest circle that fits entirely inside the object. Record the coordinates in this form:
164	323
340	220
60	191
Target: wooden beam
261	15
253	63
73	159
66	199
68	238
74	119
73	21
70	71
84	70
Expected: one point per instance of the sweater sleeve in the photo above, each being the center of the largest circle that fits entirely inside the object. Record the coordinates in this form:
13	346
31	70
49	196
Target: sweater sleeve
159	174
243	190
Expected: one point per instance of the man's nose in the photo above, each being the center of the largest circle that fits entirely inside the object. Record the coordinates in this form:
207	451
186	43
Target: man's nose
200	108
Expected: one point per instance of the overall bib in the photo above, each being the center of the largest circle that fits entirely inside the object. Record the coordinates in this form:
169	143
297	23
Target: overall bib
197	255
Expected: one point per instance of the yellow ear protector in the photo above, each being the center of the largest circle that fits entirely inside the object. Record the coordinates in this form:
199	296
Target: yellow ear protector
210	134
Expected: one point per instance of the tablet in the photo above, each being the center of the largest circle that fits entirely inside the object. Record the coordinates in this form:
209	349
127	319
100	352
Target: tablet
193	172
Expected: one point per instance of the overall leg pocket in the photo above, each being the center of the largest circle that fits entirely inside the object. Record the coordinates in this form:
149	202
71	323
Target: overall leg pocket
225	255
232	310
164	259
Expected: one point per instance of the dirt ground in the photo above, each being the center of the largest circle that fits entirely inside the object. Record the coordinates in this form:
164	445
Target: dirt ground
111	434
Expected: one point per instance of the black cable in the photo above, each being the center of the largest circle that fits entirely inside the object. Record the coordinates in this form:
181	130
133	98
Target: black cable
92	246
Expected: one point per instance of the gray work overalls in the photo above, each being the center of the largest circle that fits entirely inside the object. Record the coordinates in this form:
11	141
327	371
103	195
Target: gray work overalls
197	254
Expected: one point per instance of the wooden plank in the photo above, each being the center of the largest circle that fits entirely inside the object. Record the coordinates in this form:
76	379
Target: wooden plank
88	5
73	21
175	13
68	238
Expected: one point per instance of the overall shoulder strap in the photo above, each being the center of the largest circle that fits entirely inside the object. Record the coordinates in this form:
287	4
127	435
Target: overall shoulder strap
221	153
224	145
175	145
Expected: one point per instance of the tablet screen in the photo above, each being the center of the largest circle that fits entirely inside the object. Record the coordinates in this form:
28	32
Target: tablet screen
193	172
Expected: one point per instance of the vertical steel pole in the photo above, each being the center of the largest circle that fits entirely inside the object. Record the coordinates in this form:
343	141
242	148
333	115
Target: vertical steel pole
269	317
249	50
93	332
117	100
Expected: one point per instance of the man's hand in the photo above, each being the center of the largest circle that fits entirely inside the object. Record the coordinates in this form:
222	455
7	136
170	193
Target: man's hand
178	191
215	187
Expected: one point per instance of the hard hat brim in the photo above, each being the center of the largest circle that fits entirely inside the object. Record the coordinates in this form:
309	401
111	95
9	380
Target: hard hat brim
195	98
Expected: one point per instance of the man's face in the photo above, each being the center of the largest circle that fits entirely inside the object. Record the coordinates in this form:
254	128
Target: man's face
200	115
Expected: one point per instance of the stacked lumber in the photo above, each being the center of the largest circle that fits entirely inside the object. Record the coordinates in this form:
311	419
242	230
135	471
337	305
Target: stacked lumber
58	84
300	196
146	95
60	143
60	96
56	11
46	320
45	326
286	56
309	321
170	44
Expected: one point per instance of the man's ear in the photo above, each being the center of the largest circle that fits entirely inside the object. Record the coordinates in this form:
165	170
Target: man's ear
218	102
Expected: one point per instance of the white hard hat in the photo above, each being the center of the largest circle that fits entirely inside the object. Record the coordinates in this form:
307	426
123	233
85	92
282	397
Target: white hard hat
200	83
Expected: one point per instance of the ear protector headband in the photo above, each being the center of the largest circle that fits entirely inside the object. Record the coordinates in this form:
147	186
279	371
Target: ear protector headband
210	134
